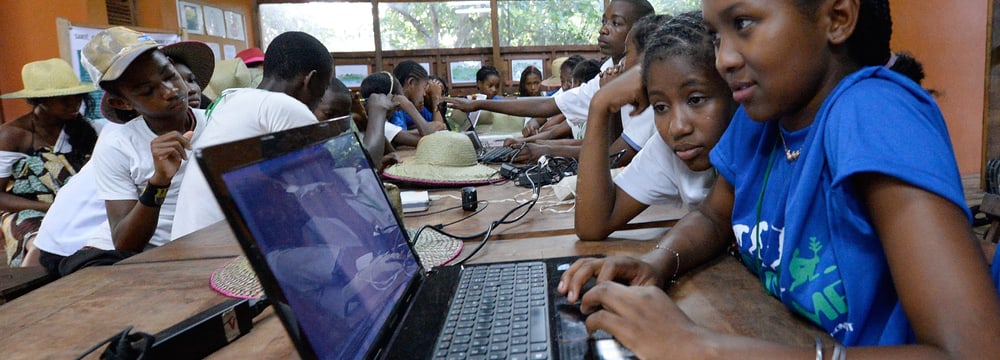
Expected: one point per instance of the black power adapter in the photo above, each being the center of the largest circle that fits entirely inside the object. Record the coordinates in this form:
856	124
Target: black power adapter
510	172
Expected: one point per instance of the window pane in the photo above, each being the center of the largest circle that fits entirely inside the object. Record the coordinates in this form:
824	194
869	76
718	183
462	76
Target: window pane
339	26
440	25
549	22
674	7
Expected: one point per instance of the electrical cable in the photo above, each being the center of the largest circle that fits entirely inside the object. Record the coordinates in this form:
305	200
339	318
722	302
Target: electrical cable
503	220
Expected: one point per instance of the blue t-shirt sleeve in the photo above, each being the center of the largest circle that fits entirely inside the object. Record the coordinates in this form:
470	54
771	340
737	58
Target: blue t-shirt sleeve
428	116
902	135
399	118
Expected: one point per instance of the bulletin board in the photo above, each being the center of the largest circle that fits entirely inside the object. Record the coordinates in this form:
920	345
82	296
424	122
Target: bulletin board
73	37
223	29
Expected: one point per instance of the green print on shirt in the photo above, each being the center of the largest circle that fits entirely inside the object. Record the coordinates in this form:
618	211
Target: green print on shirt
827	302
802	269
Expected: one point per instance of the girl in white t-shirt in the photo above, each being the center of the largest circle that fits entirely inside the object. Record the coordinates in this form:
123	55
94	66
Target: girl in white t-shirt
692	106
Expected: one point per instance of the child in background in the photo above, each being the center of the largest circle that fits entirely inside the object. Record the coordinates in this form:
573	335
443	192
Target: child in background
338	101
616	22
531	82
40	152
417	86
429	102
386	84
628	137
565	82
488	82
838	187
584	71
553	83
693	106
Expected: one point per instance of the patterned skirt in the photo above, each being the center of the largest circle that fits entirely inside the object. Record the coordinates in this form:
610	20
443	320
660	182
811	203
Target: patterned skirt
38	177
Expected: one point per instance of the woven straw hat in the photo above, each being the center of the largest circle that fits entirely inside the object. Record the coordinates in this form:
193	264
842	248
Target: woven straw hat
228	74
443	158
109	53
48	78
237	279
556	78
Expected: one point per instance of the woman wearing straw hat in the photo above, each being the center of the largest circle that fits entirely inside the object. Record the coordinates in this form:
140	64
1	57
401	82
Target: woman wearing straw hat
41	150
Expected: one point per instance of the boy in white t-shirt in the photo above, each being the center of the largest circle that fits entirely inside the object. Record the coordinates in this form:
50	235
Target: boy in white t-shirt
138	166
77	213
297	71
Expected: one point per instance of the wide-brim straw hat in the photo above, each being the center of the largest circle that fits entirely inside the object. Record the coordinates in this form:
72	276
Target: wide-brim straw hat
49	78
556	78
443	158
196	55
228	74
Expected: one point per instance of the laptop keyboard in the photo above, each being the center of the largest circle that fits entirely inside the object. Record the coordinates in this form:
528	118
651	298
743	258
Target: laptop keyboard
498	154
499	311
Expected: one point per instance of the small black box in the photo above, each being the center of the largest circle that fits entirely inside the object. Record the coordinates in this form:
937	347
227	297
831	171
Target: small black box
469	200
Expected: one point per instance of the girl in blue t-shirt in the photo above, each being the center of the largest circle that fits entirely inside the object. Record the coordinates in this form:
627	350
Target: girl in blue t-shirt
488	82
416	86
838	188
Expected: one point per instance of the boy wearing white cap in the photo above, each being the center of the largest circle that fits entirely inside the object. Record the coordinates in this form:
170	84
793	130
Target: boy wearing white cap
76	213
139	165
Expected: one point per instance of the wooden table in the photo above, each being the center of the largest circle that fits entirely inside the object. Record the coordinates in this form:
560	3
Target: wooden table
217	241
64	318
166	285
545	219
722	296
68	316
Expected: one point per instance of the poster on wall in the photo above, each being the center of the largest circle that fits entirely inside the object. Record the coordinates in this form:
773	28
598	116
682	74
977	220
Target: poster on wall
228	51
216	49
215	22
464	71
190	17
78	37
234	26
351	75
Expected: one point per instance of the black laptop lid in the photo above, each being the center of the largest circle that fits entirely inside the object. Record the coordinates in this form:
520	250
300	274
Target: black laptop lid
326	243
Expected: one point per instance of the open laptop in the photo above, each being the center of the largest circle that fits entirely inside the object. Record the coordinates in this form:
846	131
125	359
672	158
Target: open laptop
315	224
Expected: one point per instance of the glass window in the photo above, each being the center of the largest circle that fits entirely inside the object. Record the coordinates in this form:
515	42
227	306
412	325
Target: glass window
347	26
674	7
437	25
340	26
560	22
549	22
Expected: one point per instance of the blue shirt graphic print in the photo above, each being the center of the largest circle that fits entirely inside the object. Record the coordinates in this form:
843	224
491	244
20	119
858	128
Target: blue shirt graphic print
807	234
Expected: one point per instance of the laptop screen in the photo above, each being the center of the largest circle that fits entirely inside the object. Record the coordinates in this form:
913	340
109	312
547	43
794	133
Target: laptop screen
326	230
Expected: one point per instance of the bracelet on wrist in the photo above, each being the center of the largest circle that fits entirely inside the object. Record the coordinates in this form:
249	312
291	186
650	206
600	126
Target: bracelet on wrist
153	195
677	262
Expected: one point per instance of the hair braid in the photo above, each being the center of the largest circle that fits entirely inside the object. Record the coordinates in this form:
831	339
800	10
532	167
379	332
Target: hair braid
684	34
869	45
